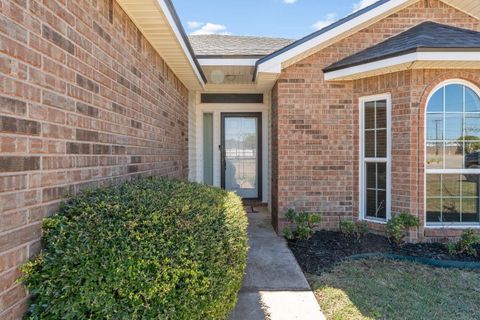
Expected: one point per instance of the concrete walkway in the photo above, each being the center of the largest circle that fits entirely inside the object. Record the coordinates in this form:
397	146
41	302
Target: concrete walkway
274	286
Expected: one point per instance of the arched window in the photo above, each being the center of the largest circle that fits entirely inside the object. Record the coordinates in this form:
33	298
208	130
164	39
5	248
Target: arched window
453	154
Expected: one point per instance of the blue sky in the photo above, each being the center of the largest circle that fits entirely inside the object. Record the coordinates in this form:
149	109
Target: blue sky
273	18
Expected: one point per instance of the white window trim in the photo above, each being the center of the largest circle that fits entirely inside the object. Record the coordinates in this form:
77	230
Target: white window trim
444	225
362	165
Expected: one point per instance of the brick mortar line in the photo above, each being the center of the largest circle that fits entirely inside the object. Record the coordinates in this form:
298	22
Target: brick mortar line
67	170
20	228
73	184
75	100
115	134
130	54
23	300
65	65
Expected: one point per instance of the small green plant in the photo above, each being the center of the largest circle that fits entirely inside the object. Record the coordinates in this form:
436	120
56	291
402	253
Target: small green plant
304	223
398	226
288	233
466	244
347	227
362	229
353	229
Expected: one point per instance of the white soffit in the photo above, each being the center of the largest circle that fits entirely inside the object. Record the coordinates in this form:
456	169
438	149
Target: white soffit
416	60
159	26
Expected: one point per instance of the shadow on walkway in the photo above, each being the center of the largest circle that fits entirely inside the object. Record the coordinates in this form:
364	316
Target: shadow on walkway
274	286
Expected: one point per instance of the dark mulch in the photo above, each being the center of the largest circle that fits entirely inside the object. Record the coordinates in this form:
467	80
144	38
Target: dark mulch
327	248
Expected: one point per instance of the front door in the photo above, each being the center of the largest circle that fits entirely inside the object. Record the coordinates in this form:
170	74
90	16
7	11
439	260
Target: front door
241	154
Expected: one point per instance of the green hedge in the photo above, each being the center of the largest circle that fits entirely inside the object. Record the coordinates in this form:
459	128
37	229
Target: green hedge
152	249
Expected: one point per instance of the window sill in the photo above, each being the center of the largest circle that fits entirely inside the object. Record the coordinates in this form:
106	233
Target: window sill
453	226
373	220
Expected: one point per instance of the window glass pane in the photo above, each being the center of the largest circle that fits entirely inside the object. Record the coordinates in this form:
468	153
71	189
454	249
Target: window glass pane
381	114
472	154
453	126
454	98
450	185
470	185
370	144
208	148
451	209
472	101
382	175
381	204
472	126
453	154
370	115
435	126
434	185
434	155
435	103
371	203
381	143
470	210
434	212
371	175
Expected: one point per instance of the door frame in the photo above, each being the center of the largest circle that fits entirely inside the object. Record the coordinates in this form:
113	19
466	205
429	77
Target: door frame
258	116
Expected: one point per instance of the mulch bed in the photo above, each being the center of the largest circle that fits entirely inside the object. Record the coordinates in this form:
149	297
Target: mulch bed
327	248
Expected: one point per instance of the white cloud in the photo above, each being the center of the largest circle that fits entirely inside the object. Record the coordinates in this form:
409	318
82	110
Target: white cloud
362	4
328	20
194	24
290	1
211	28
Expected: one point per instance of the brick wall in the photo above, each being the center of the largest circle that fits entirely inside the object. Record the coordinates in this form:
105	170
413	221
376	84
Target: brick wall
84	101
317	123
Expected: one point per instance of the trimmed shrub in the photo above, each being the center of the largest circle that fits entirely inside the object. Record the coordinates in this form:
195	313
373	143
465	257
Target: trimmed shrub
304	224
397	227
354	229
466	244
152	249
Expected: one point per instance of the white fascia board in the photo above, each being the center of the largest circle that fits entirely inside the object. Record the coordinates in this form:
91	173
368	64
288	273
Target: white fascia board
181	41
407	58
247	62
275	64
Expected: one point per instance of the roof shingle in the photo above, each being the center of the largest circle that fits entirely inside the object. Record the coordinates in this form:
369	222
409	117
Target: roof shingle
225	45
427	35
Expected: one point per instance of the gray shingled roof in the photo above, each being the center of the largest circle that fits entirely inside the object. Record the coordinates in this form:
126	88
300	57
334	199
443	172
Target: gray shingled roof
427	35
224	45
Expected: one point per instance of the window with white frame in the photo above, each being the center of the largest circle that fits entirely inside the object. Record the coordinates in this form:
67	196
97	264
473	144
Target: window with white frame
375	157
453	154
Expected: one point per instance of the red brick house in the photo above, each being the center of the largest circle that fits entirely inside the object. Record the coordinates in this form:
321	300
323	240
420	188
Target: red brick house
376	114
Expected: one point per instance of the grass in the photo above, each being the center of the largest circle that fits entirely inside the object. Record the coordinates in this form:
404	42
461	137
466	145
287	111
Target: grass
383	289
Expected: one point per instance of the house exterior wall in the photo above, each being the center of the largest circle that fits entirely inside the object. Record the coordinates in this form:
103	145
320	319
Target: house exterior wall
85	101
315	124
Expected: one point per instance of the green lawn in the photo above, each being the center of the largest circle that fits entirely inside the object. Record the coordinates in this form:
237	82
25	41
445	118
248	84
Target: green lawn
383	289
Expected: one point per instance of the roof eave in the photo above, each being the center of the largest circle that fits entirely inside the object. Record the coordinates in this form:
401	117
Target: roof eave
167	37
429	58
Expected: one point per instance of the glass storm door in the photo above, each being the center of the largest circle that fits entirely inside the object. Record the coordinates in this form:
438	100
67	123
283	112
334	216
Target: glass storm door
241	154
